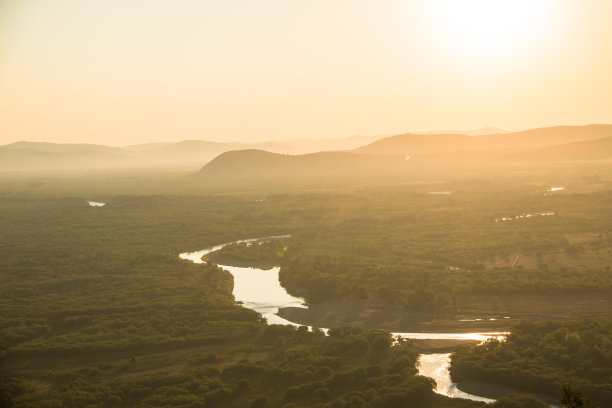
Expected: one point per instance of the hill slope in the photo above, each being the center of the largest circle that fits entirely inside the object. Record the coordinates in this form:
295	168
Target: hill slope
259	163
588	150
583	151
410	144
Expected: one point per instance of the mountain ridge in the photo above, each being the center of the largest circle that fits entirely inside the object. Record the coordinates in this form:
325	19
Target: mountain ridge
414	143
44	156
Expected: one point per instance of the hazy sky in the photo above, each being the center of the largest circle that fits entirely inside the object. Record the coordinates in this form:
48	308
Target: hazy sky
127	71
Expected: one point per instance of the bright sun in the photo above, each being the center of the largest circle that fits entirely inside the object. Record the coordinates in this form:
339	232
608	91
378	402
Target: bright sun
489	28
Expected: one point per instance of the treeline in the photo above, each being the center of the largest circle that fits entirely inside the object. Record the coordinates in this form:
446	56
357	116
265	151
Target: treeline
540	357
299	368
425	285
260	254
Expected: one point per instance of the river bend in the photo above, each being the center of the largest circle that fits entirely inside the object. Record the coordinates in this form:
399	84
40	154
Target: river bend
260	290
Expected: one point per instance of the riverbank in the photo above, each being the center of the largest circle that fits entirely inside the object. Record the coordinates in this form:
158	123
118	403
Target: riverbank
496	391
437	345
220	258
475	313
395	318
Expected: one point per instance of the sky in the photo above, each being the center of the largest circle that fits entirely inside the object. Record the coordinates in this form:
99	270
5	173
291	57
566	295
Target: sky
121	72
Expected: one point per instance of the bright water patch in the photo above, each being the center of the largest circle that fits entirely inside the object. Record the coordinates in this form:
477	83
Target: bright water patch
452	336
555	190
525	216
260	290
436	366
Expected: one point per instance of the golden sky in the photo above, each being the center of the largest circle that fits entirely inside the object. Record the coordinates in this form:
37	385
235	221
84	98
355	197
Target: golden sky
120	72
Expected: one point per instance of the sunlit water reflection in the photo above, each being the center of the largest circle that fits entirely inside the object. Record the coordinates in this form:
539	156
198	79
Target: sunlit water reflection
260	290
452	336
436	366
257	289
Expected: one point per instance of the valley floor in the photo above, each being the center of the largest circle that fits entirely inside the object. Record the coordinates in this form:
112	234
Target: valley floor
476	313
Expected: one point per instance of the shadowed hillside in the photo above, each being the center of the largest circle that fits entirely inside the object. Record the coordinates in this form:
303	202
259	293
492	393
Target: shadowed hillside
259	163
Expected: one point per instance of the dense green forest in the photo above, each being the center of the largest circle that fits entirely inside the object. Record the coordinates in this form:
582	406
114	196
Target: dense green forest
424	251
420	250
96	308
540	357
279	366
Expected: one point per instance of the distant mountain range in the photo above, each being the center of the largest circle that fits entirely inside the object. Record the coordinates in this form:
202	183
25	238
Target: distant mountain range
560	143
48	156
36	156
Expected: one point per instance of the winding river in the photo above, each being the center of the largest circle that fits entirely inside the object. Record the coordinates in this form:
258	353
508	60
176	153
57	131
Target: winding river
257	289
260	290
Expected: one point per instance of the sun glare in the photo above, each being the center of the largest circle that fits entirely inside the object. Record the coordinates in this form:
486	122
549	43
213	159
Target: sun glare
489	28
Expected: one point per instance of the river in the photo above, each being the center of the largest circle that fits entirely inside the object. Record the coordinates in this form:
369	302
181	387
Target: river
260	290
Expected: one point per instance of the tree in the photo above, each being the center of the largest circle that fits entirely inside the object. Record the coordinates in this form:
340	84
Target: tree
260	402
572	398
